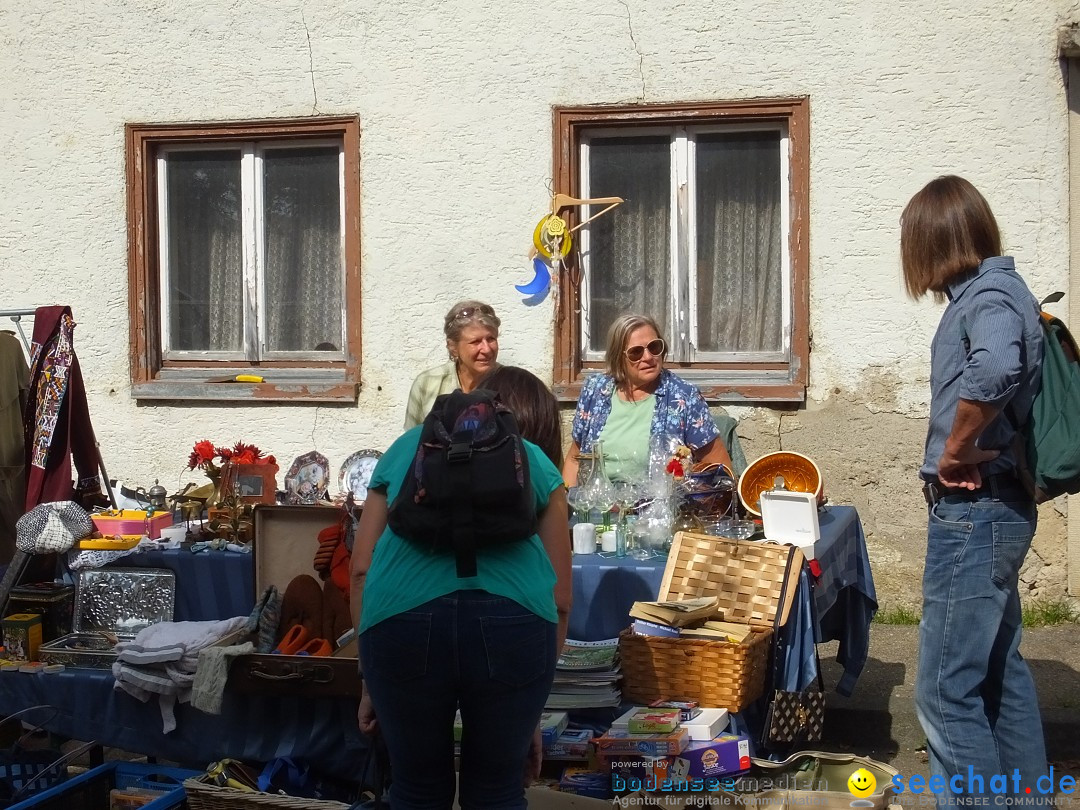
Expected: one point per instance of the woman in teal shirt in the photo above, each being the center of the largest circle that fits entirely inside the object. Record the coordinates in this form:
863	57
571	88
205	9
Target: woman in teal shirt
432	643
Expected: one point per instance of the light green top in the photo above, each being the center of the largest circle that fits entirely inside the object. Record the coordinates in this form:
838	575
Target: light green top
626	438
404	575
425	388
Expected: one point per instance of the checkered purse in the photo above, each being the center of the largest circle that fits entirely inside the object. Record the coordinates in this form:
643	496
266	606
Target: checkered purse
796	717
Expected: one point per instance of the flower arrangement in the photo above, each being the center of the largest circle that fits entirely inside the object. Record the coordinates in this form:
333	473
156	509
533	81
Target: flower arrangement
204	454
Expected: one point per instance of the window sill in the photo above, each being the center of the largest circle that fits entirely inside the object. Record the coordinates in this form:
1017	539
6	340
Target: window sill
298	390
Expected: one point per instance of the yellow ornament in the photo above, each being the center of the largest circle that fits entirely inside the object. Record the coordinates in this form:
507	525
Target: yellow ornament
551	237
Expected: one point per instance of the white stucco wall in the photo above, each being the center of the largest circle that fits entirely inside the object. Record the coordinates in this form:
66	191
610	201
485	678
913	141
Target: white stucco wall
454	100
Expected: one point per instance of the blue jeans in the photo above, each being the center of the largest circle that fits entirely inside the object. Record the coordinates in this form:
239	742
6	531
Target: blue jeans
470	649
974	693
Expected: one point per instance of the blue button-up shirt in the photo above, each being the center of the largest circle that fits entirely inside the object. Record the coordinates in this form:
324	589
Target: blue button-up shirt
988	348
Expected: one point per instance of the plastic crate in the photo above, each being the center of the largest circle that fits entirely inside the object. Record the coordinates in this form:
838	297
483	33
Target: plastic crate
90	790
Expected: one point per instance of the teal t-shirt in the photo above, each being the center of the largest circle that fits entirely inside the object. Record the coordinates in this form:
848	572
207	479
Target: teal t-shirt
626	438
404	575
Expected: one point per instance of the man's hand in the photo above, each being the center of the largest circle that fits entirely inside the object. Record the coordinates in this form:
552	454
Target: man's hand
534	758
959	467
365	715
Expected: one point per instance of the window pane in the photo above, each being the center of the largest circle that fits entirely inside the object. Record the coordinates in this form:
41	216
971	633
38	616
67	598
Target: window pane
205	273
629	248
739	284
302	246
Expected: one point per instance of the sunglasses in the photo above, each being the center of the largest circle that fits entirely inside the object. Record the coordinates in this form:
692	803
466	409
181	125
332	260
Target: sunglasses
468	312
654	347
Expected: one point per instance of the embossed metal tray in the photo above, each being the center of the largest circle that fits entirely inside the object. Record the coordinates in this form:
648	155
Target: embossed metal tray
112	601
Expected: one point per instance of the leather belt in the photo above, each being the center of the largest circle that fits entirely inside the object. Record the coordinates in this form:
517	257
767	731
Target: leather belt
998	485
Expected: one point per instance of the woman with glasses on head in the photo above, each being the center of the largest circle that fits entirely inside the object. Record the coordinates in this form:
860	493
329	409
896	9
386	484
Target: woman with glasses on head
472	341
639	409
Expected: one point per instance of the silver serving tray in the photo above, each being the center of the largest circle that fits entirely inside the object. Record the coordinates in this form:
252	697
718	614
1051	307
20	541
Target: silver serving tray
86	650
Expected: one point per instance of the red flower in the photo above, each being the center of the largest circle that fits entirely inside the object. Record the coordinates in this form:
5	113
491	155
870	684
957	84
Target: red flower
205	453
202	453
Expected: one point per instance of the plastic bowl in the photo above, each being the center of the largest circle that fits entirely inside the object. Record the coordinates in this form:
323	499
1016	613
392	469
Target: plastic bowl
799	474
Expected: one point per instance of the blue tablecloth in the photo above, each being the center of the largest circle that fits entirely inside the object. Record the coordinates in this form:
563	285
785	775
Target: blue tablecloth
322	731
209	585
838	605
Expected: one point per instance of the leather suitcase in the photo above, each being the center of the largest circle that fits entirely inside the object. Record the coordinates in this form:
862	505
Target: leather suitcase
286	539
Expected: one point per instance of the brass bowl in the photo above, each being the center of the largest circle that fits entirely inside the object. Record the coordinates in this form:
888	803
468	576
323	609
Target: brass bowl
799	474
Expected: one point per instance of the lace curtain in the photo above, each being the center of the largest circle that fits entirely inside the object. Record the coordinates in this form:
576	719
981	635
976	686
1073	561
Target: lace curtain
302	254
738	273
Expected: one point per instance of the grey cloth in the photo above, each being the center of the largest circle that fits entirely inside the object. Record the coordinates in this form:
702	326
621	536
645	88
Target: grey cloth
52	527
213	673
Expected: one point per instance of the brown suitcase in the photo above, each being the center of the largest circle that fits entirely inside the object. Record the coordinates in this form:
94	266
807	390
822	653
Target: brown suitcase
286	539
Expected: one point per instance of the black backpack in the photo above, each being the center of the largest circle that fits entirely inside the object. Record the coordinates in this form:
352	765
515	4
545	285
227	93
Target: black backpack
468	486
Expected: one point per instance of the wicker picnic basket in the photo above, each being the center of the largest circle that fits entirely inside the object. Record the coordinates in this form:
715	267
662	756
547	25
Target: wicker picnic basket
203	796
755	583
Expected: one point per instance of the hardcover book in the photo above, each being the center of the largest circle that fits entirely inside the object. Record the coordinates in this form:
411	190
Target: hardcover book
676	613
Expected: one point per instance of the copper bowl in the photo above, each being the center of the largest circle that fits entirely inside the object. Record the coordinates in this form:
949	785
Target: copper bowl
799	474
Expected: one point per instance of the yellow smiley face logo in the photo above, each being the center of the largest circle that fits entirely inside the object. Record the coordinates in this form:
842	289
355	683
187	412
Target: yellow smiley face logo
861	783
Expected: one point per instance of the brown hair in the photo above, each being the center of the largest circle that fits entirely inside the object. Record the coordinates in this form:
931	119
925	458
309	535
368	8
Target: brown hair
533	405
946	231
618	334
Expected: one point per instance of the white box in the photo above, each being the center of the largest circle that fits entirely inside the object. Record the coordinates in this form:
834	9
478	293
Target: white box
707	725
792	518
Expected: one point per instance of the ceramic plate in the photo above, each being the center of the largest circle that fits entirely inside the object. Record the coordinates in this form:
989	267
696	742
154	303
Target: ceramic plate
355	474
308	478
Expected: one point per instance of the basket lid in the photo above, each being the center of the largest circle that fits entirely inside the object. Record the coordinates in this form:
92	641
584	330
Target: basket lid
754	581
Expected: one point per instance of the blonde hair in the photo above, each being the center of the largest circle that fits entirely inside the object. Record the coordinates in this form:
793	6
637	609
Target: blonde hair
618	334
946	231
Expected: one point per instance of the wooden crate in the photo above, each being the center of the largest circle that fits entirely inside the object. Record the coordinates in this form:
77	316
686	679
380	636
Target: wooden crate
755	583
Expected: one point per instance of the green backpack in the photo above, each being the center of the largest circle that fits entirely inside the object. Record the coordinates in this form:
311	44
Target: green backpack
1048	445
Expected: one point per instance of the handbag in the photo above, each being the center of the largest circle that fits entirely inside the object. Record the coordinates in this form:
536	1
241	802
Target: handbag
795	717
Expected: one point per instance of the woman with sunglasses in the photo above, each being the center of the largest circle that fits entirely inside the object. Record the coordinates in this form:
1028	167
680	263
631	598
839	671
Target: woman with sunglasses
472	341
640	409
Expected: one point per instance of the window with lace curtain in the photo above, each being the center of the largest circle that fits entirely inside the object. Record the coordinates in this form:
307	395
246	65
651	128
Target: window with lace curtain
245	259
711	241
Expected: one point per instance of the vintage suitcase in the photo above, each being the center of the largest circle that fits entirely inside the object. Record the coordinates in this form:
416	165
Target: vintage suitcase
112	604
286	539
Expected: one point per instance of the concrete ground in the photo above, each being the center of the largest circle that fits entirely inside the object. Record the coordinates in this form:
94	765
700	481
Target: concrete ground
879	720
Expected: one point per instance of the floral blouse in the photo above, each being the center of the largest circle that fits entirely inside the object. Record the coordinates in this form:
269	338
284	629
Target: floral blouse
681	415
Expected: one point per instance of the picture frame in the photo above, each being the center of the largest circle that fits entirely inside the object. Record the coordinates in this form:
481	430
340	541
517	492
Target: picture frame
250	483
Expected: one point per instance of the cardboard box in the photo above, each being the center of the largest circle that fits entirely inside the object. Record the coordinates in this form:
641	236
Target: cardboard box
726	755
707	725
22	636
571	744
619	741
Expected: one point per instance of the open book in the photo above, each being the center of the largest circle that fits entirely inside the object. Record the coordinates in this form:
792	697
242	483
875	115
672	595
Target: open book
678	613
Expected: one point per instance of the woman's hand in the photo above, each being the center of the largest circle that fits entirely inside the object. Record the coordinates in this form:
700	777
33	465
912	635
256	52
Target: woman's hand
534	758
365	715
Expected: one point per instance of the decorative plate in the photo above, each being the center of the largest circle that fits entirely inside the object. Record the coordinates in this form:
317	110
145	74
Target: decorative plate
355	474
307	479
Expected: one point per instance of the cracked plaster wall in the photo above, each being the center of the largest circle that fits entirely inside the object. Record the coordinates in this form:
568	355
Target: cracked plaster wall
454	100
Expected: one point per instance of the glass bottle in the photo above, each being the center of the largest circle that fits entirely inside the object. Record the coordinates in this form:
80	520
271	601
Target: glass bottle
598	489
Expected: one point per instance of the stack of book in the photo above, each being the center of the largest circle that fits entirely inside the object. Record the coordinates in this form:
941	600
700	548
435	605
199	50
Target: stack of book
586	676
686	618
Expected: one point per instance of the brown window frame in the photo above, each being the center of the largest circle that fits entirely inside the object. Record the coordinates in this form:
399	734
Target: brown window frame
568	124
152	378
